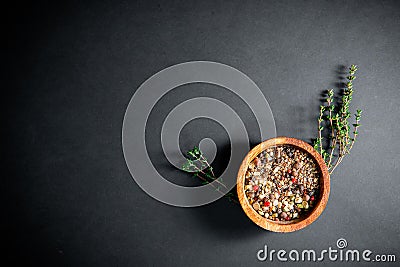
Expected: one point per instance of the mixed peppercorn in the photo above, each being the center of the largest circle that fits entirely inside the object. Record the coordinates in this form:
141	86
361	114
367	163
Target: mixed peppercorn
282	183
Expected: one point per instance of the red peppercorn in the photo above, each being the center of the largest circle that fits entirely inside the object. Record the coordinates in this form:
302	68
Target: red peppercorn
312	198
294	180
255	187
287	218
289	171
267	203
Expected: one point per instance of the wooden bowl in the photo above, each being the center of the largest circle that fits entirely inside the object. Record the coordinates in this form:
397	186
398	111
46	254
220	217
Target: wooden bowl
304	220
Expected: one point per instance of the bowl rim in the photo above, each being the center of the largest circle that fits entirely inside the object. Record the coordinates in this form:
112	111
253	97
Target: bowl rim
278	226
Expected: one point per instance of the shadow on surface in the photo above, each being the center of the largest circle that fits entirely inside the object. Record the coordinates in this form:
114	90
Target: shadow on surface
223	218
226	220
338	85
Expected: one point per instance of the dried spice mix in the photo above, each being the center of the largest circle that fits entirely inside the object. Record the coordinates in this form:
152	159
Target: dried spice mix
282	183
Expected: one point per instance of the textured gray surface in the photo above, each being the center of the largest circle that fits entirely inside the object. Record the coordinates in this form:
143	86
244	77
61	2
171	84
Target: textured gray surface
74	67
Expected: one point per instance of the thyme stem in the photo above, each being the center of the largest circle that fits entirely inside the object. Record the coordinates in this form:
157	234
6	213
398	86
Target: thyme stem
340	139
205	171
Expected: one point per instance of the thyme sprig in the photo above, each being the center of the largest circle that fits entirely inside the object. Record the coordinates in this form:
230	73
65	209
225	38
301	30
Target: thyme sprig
340	139
197	164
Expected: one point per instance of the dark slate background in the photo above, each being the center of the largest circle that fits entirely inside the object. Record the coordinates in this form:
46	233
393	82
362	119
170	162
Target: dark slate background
71	69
